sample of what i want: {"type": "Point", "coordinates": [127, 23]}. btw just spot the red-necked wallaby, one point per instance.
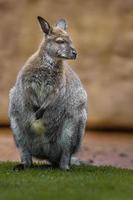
{"type": "Point", "coordinates": [48, 104]}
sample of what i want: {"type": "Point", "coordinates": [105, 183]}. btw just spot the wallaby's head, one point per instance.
{"type": "Point", "coordinates": [58, 43]}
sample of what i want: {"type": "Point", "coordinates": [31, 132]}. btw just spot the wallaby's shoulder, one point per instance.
{"type": "Point", "coordinates": [32, 70]}
{"type": "Point", "coordinates": [31, 65]}
{"type": "Point", "coordinates": [74, 84]}
{"type": "Point", "coordinates": [71, 76]}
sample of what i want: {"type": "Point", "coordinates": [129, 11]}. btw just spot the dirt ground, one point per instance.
{"type": "Point", "coordinates": [98, 148]}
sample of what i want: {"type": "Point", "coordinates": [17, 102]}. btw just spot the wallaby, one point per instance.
{"type": "Point", "coordinates": [48, 104]}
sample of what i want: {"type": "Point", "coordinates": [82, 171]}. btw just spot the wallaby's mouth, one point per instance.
{"type": "Point", "coordinates": [71, 57]}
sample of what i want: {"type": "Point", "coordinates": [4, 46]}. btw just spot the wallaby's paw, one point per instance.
{"type": "Point", "coordinates": [19, 167]}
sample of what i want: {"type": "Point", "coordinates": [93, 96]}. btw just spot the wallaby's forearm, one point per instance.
{"type": "Point", "coordinates": [49, 100]}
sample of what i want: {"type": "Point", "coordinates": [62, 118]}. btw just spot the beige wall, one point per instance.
{"type": "Point", "coordinates": [102, 32]}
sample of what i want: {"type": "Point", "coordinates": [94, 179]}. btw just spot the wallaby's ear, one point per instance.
{"type": "Point", "coordinates": [61, 23]}
{"type": "Point", "coordinates": [46, 28]}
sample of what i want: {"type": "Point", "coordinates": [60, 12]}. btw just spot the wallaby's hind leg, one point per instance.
{"type": "Point", "coordinates": [21, 142]}
{"type": "Point", "coordinates": [77, 137]}
{"type": "Point", "coordinates": [66, 143]}
{"type": "Point", "coordinates": [72, 133]}
{"type": "Point", "coordinates": [79, 131]}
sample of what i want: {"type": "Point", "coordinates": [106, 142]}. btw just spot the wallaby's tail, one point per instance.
{"type": "Point", "coordinates": [78, 162]}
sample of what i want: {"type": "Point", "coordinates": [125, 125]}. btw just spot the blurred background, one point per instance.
{"type": "Point", "coordinates": [102, 32]}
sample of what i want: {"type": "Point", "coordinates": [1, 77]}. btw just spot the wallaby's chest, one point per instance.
{"type": "Point", "coordinates": [43, 80]}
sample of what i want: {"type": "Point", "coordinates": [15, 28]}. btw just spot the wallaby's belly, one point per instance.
{"type": "Point", "coordinates": [43, 149]}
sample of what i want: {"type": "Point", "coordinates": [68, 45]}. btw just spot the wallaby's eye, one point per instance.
{"type": "Point", "coordinates": [60, 41]}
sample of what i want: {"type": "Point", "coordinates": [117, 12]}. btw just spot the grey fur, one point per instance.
{"type": "Point", "coordinates": [48, 104]}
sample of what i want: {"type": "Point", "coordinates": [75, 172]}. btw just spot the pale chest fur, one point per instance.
{"type": "Point", "coordinates": [44, 80]}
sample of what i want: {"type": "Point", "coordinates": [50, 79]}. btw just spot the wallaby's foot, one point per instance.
{"type": "Point", "coordinates": [75, 161]}
{"type": "Point", "coordinates": [78, 162]}
{"type": "Point", "coordinates": [64, 167]}
{"type": "Point", "coordinates": [21, 167]}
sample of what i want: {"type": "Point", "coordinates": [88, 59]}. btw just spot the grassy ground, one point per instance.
{"type": "Point", "coordinates": [80, 183]}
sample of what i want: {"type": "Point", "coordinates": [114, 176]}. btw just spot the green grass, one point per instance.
{"type": "Point", "coordinates": [80, 183]}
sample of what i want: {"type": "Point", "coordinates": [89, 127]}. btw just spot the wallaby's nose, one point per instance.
{"type": "Point", "coordinates": [74, 53]}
